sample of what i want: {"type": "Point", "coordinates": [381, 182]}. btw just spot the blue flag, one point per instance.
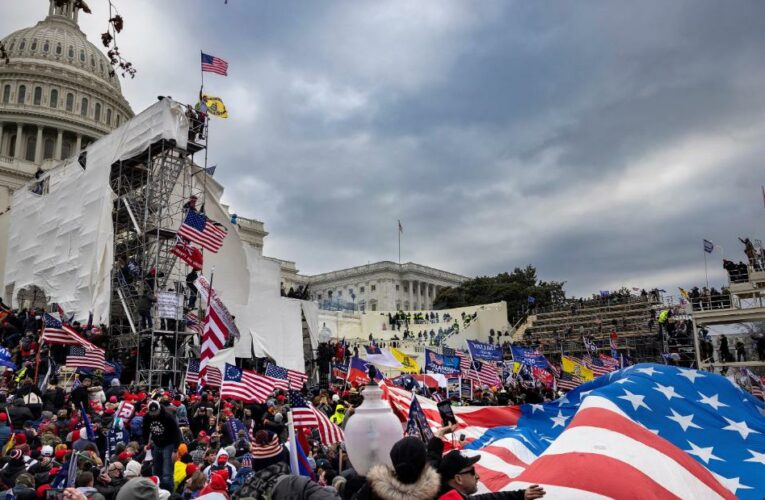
{"type": "Point", "coordinates": [708, 246]}
{"type": "Point", "coordinates": [88, 426]}
{"type": "Point", "coordinates": [484, 352]}
{"type": "Point", "coordinates": [417, 424]}
{"type": "Point", "coordinates": [440, 363]}
{"type": "Point", "coordinates": [530, 357]}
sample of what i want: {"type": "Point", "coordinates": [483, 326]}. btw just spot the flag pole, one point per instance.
{"type": "Point", "coordinates": [293, 445]}
{"type": "Point", "coordinates": [399, 242]}
{"type": "Point", "coordinates": [706, 273]}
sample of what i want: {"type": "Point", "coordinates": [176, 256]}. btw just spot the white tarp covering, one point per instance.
{"type": "Point", "coordinates": [61, 241]}
{"type": "Point", "coordinates": [311, 314]}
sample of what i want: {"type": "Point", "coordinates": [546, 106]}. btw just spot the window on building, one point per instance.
{"type": "Point", "coordinates": [31, 145]}
{"type": "Point", "coordinates": [66, 149]}
{"type": "Point", "coordinates": [34, 45]}
{"type": "Point", "coordinates": [22, 95]}
{"type": "Point", "coordinates": [38, 96]}
{"type": "Point", "coordinates": [361, 289]}
{"type": "Point", "coordinates": [84, 106]}
{"type": "Point", "coordinates": [70, 102]}
{"type": "Point", "coordinates": [97, 113]}
{"type": "Point", "coordinates": [59, 49]}
{"type": "Point", "coordinates": [23, 44]}
{"type": "Point", "coordinates": [372, 305]}
{"type": "Point", "coordinates": [397, 287]}
{"type": "Point", "coordinates": [398, 305]}
{"type": "Point", "coordinates": [12, 146]}
{"type": "Point", "coordinates": [71, 52]}
{"type": "Point", "coordinates": [46, 46]}
{"type": "Point", "coordinates": [7, 94]}
{"type": "Point", "coordinates": [82, 56]}
{"type": "Point", "coordinates": [372, 288]}
{"type": "Point", "coordinates": [350, 291]}
{"type": "Point", "coordinates": [318, 297]}
{"type": "Point", "coordinates": [13, 44]}
{"type": "Point", "coordinates": [118, 120]}
{"type": "Point", "coordinates": [108, 116]}
{"type": "Point", "coordinates": [92, 60]}
{"type": "Point", "coordinates": [54, 98]}
{"type": "Point", "coordinates": [48, 148]}
{"type": "Point", "coordinates": [101, 63]}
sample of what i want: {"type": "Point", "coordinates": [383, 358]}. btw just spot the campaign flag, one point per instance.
{"type": "Point", "coordinates": [610, 361]}
{"type": "Point", "coordinates": [417, 424]}
{"type": "Point", "coordinates": [708, 246]}
{"type": "Point", "coordinates": [212, 64]}
{"type": "Point", "coordinates": [340, 371]}
{"type": "Point", "coordinates": [358, 372]}
{"type": "Point", "coordinates": [408, 363]}
{"type": "Point", "coordinates": [187, 253]}
{"type": "Point", "coordinates": [381, 357]}
{"type": "Point", "coordinates": [441, 363]}
{"type": "Point", "coordinates": [125, 410]}
{"type": "Point", "coordinates": [543, 376]}
{"type": "Point", "coordinates": [86, 423]}
{"type": "Point", "coordinates": [5, 358]}
{"type": "Point", "coordinates": [210, 170]}
{"type": "Point", "coordinates": [484, 352]}
{"type": "Point", "coordinates": [674, 432]}
{"type": "Point", "coordinates": [245, 385]}
{"type": "Point", "coordinates": [79, 357]}
{"type": "Point", "coordinates": [286, 378]}
{"type": "Point", "coordinates": [203, 288]}
{"type": "Point", "coordinates": [531, 299]}
{"type": "Point", "coordinates": [577, 367]}
{"type": "Point", "coordinates": [197, 228]}
{"type": "Point", "coordinates": [529, 356]}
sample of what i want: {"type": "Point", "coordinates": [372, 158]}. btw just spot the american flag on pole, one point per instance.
{"type": "Point", "coordinates": [486, 373]}
{"type": "Point", "coordinates": [54, 332]}
{"type": "Point", "coordinates": [285, 377]}
{"type": "Point", "coordinates": [214, 378]}
{"type": "Point", "coordinates": [79, 357]}
{"type": "Point", "coordinates": [245, 385]}
{"type": "Point", "coordinates": [193, 323]}
{"type": "Point", "coordinates": [213, 339]}
{"type": "Point", "coordinates": [212, 64]}
{"type": "Point", "coordinates": [668, 432]}
{"type": "Point", "coordinates": [304, 414]}
{"type": "Point", "coordinates": [196, 227]}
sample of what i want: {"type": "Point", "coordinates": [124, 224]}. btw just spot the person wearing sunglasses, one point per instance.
{"type": "Point", "coordinates": [459, 480]}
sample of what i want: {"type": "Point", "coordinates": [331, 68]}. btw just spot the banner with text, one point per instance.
{"type": "Point", "coordinates": [530, 357]}
{"type": "Point", "coordinates": [484, 352]}
{"type": "Point", "coordinates": [440, 363]}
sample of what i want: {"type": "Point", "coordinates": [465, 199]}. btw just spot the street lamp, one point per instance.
{"type": "Point", "coordinates": [372, 430]}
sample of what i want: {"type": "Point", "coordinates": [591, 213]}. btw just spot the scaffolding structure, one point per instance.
{"type": "Point", "coordinates": [151, 193]}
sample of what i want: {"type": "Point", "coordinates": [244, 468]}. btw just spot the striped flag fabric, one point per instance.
{"type": "Point", "coordinates": [214, 378]}
{"type": "Point", "coordinates": [668, 432]}
{"type": "Point", "coordinates": [484, 373]}
{"type": "Point", "coordinates": [54, 332]}
{"type": "Point", "coordinates": [567, 382]}
{"type": "Point", "coordinates": [79, 357]}
{"type": "Point", "coordinates": [214, 337]}
{"type": "Point", "coordinates": [597, 366]}
{"type": "Point", "coordinates": [193, 323]}
{"type": "Point", "coordinates": [245, 385]}
{"type": "Point", "coordinates": [212, 64]}
{"type": "Point", "coordinates": [197, 228]}
{"type": "Point", "coordinates": [302, 414]}
{"type": "Point", "coordinates": [329, 432]}
{"type": "Point", "coordinates": [286, 378]}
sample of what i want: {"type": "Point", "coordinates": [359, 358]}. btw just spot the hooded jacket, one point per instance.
{"type": "Point", "coordinates": [210, 469]}
{"type": "Point", "coordinates": [339, 415]}
{"type": "Point", "coordinates": [382, 485]}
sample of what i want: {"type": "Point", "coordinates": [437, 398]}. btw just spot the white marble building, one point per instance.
{"type": "Point", "coordinates": [381, 286]}
{"type": "Point", "coordinates": [56, 96]}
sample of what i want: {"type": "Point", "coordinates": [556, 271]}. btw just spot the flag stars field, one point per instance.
{"type": "Point", "coordinates": [635, 399]}
{"type": "Point", "coordinates": [712, 401]}
{"type": "Point", "coordinates": [703, 453]}
{"type": "Point", "coordinates": [739, 427]}
{"type": "Point", "coordinates": [685, 421]}
{"type": "Point", "coordinates": [668, 391]}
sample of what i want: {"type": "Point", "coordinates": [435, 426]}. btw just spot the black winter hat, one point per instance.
{"type": "Point", "coordinates": [408, 456]}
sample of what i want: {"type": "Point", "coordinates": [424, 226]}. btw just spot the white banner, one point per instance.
{"type": "Point", "coordinates": [170, 305]}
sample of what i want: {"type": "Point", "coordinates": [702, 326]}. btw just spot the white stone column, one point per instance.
{"type": "Point", "coordinates": [19, 131]}
{"type": "Point", "coordinates": [78, 145]}
{"type": "Point", "coordinates": [59, 144]}
{"type": "Point", "coordinates": [39, 145]}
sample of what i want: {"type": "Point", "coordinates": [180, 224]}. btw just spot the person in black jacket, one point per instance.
{"type": "Point", "coordinates": [459, 480]}
{"type": "Point", "coordinates": [53, 397]}
{"type": "Point", "coordinates": [79, 395]}
{"type": "Point", "coordinates": [162, 431]}
{"type": "Point", "coordinates": [19, 413]}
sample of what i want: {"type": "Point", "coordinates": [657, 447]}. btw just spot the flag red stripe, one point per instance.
{"type": "Point", "coordinates": [605, 419]}
{"type": "Point", "coordinates": [504, 454]}
{"type": "Point", "coordinates": [574, 470]}
{"type": "Point", "coordinates": [492, 479]}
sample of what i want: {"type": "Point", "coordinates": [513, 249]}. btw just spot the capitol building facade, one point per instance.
{"type": "Point", "coordinates": [57, 95]}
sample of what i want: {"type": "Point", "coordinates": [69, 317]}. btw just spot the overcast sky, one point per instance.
{"type": "Point", "coordinates": [600, 141]}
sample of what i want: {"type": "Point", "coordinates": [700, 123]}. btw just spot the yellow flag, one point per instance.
{"type": "Point", "coordinates": [516, 367]}
{"type": "Point", "coordinates": [215, 106]}
{"type": "Point", "coordinates": [684, 293]}
{"type": "Point", "coordinates": [577, 369]}
{"type": "Point", "coordinates": [10, 444]}
{"type": "Point", "coordinates": [409, 363]}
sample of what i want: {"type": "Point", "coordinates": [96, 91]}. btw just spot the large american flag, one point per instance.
{"type": "Point", "coordinates": [245, 385]}
{"type": "Point", "coordinates": [212, 64]}
{"type": "Point", "coordinates": [54, 332]}
{"type": "Point", "coordinates": [214, 338]}
{"type": "Point", "coordinates": [79, 357]}
{"type": "Point", "coordinates": [286, 378]}
{"type": "Point", "coordinates": [665, 431]}
{"type": "Point", "coordinates": [304, 414]}
{"type": "Point", "coordinates": [196, 227]}
{"type": "Point", "coordinates": [214, 378]}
